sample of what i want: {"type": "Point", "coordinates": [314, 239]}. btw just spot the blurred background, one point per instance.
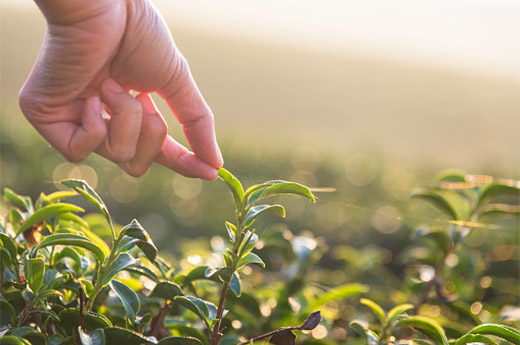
{"type": "Point", "coordinates": [366, 100]}
{"type": "Point", "coordinates": [370, 98]}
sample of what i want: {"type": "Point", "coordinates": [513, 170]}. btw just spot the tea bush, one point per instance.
{"type": "Point", "coordinates": [68, 279]}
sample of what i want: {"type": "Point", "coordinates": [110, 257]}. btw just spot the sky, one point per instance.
{"type": "Point", "coordinates": [471, 35]}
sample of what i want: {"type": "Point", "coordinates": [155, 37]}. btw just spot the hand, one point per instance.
{"type": "Point", "coordinates": [77, 95]}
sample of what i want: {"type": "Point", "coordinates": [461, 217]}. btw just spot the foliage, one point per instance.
{"type": "Point", "coordinates": [69, 279]}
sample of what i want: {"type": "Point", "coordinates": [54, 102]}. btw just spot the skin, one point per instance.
{"type": "Point", "coordinates": [77, 94]}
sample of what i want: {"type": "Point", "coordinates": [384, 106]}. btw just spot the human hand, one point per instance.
{"type": "Point", "coordinates": [77, 95]}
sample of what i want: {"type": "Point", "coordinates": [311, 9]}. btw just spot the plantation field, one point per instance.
{"type": "Point", "coordinates": [369, 136]}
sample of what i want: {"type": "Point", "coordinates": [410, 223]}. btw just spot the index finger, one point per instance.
{"type": "Point", "coordinates": [191, 110]}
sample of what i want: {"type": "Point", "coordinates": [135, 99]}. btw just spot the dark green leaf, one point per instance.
{"type": "Point", "coordinates": [255, 211]}
{"type": "Point", "coordinates": [442, 239]}
{"type": "Point", "coordinates": [427, 326]}
{"type": "Point", "coordinates": [369, 337]}
{"type": "Point", "coordinates": [34, 270]}
{"type": "Point", "coordinates": [128, 297]}
{"type": "Point", "coordinates": [502, 331]}
{"type": "Point", "coordinates": [117, 335]}
{"type": "Point", "coordinates": [96, 337]}
{"type": "Point", "coordinates": [123, 261]}
{"type": "Point", "coordinates": [91, 196]}
{"type": "Point", "coordinates": [30, 334]}
{"type": "Point", "coordinates": [70, 320]}
{"type": "Point", "coordinates": [166, 290]}
{"type": "Point", "coordinates": [55, 339]}
{"type": "Point", "coordinates": [234, 185]}
{"type": "Point", "coordinates": [250, 258]}
{"type": "Point", "coordinates": [380, 313]}
{"type": "Point", "coordinates": [135, 230]}
{"type": "Point", "coordinates": [142, 270]}
{"type": "Point", "coordinates": [72, 254]}
{"type": "Point", "coordinates": [47, 212]}
{"type": "Point", "coordinates": [502, 188]}
{"type": "Point", "coordinates": [6, 309]}
{"type": "Point", "coordinates": [8, 243]}
{"type": "Point", "coordinates": [450, 202]}
{"type": "Point", "coordinates": [235, 285]}
{"type": "Point", "coordinates": [205, 310]}
{"type": "Point", "coordinates": [71, 240]}
{"type": "Point", "coordinates": [5, 258]}
{"type": "Point", "coordinates": [180, 341]}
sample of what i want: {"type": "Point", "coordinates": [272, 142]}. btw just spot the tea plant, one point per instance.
{"type": "Point", "coordinates": [57, 273]}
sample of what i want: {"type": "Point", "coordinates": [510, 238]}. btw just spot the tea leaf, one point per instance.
{"type": "Point", "coordinates": [234, 185]}
{"type": "Point", "coordinates": [96, 337]}
{"type": "Point", "coordinates": [311, 322]}
{"type": "Point", "coordinates": [428, 327]}
{"type": "Point", "coordinates": [123, 261]}
{"type": "Point", "coordinates": [117, 335]}
{"type": "Point", "coordinates": [283, 338]}
{"type": "Point", "coordinates": [475, 338]}
{"type": "Point", "coordinates": [278, 187]}
{"type": "Point", "coordinates": [397, 311]}
{"type": "Point", "coordinates": [179, 341]}
{"type": "Point", "coordinates": [34, 270]}
{"type": "Point", "coordinates": [12, 340]}
{"type": "Point", "coordinates": [502, 331]}
{"type": "Point", "coordinates": [235, 285]}
{"type": "Point", "coordinates": [16, 198]}
{"type": "Point", "coordinates": [380, 313]}
{"type": "Point", "coordinates": [128, 297]}
{"type": "Point", "coordinates": [71, 240]}
{"type": "Point", "coordinates": [47, 212]}
{"type": "Point", "coordinates": [250, 258]}
{"type": "Point", "coordinates": [339, 293]}
{"type": "Point", "coordinates": [206, 311]}
{"type": "Point", "coordinates": [166, 290]}
{"type": "Point", "coordinates": [450, 202]}
{"type": "Point", "coordinates": [255, 211]}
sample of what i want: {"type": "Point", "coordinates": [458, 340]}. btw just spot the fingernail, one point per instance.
{"type": "Point", "coordinates": [147, 104]}
{"type": "Point", "coordinates": [113, 86]}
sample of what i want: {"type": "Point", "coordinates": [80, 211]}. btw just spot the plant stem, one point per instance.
{"type": "Point", "coordinates": [270, 334]}
{"type": "Point", "coordinates": [220, 311]}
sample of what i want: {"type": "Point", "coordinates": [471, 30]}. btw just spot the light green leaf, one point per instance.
{"type": "Point", "coordinates": [180, 341]}
{"type": "Point", "coordinates": [250, 258]}
{"type": "Point", "coordinates": [502, 331]}
{"type": "Point", "coordinates": [46, 294]}
{"type": "Point", "coordinates": [380, 313]}
{"type": "Point", "coordinates": [71, 217]}
{"type": "Point", "coordinates": [474, 338]}
{"type": "Point", "coordinates": [278, 187]}
{"type": "Point", "coordinates": [60, 195]}
{"type": "Point", "coordinates": [232, 231]}
{"type": "Point", "coordinates": [503, 188]}
{"type": "Point", "coordinates": [450, 202]}
{"type": "Point", "coordinates": [71, 240]}
{"type": "Point", "coordinates": [91, 196]}
{"type": "Point", "coordinates": [234, 185]}
{"type": "Point", "coordinates": [96, 337]}
{"type": "Point", "coordinates": [123, 260]}
{"type": "Point", "coordinates": [16, 198]}
{"type": "Point", "coordinates": [500, 209]}
{"type": "Point", "coordinates": [427, 326]}
{"type": "Point", "coordinates": [255, 211]}
{"type": "Point", "coordinates": [166, 290]}
{"type": "Point", "coordinates": [248, 244]}
{"type": "Point", "coordinates": [339, 293]}
{"type": "Point", "coordinates": [34, 271]}
{"type": "Point", "coordinates": [128, 297]}
{"type": "Point", "coordinates": [47, 212]}
{"type": "Point", "coordinates": [12, 340]}
{"type": "Point", "coordinates": [397, 311]}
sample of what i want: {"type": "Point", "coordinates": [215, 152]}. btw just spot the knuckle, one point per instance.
{"type": "Point", "coordinates": [74, 157]}
{"type": "Point", "coordinates": [122, 155]}
{"type": "Point", "coordinates": [136, 171]}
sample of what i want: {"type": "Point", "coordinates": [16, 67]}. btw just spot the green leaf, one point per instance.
{"type": "Point", "coordinates": [397, 311]}
{"type": "Point", "coordinates": [47, 212]}
{"type": "Point", "coordinates": [88, 287]}
{"type": "Point", "coordinates": [60, 195]}
{"type": "Point", "coordinates": [72, 254]}
{"type": "Point", "coordinates": [255, 211]}
{"type": "Point", "coordinates": [205, 310]}
{"type": "Point", "coordinates": [71, 217]}
{"type": "Point", "coordinates": [117, 335]}
{"type": "Point", "coordinates": [369, 337]}
{"type": "Point", "coordinates": [142, 270]}
{"type": "Point", "coordinates": [55, 339]}
{"type": "Point", "coordinates": [503, 188]}
{"type": "Point", "coordinates": [500, 209]}
{"type": "Point", "coordinates": [380, 313]}
{"type": "Point", "coordinates": [234, 185]}
{"type": "Point", "coordinates": [71, 240]}
{"type": "Point", "coordinates": [8, 243]}
{"type": "Point", "coordinates": [248, 244]}
{"type": "Point", "coordinates": [70, 319]}
{"type": "Point", "coordinates": [91, 196]}
{"type": "Point", "coordinates": [451, 176]}
{"type": "Point", "coordinates": [312, 321]}
{"type": "Point", "coordinates": [450, 202]}
{"type": "Point", "coordinates": [5, 306]}
{"type": "Point", "coordinates": [232, 231]}
{"type": "Point", "coordinates": [474, 338]}
{"type": "Point", "coordinates": [96, 337]}
{"type": "Point", "coordinates": [278, 187]}
{"type": "Point", "coordinates": [502, 331]}
{"type": "Point", "coordinates": [442, 239]}
{"type": "Point", "coordinates": [250, 258]}
{"type": "Point", "coordinates": [235, 285]}
{"type": "Point", "coordinates": [16, 198]}
{"type": "Point", "coordinates": [179, 341]}
{"type": "Point", "coordinates": [427, 326]}
{"type": "Point", "coordinates": [34, 270]}
{"type": "Point", "coordinates": [128, 297]}
{"type": "Point", "coordinates": [11, 340]}
{"type": "Point", "coordinates": [339, 293]}
{"type": "Point", "coordinates": [123, 260]}
{"type": "Point", "coordinates": [30, 334]}
{"type": "Point", "coordinates": [166, 290]}
{"type": "Point", "coordinates": [46, 294]}
{"type": "Point", "coordinates": [5, 258]}
{"type": "Point", "coordinates": [145, 243]}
